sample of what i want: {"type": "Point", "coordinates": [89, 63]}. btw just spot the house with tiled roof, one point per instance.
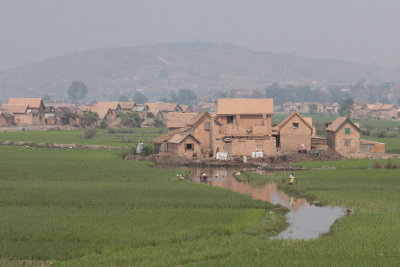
{"type": "Point", "coordinates": [6, 119]}
{"type": "Point", "coordinates": [186, 109]}
{"type": "Point", "coordinates": [158, 108]}
{"type": "Point", "coordinates": [343, 136]}
{"type": "Point", "coordinates": [294, 134]}
{"type": "Point", "coordinates": [127, 106]}
{"type": "Point", "coordinates": [246, 126]}
{"type": "Point", "coordinates": [26, 111]}
{"type": "Point", "coordinates": [199, 125]}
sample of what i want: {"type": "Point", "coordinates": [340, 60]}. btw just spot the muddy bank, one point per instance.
{"type": "Point", "coordinates": [281, 162]}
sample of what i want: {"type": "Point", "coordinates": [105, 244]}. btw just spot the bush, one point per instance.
{"type": "Point", "coordinates": [365, 132]}
{"type": "Point", "coordinates": [158, 123]}
{"type": "Point", "coordinates": [147, 150]}
{"type": "Point", "coordinates": [123, 154]}
{"type": "Point", "coordinates": [89, 133]}
{"type": "Point", "coordinates": [391, 164]}
{"type": "Point", "coordinates": [103, 124]}
{"type": "Point", "coordinates": [377, 165]}
{"type": "Point", "coordinates": [111, 131]}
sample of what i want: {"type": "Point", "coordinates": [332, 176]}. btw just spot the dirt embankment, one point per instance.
{"type": "Point", "coordinates": [272, 162]}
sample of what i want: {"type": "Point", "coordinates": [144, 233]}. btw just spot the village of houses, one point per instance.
{"type": "Point", "coordinates": [231, 128]}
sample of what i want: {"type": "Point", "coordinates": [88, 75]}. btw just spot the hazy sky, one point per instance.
{"type": "Point", "coordinates": [365, 31]}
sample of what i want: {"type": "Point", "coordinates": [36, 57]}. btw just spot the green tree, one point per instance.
{"type": "Point", "coordinates": [77, 91]}
{"type": "Point", "coordinates": [345, 107]}
{"type": "Point", "coordinates": [46, 99]}
{"type": "Point", "coordinates": [123, 98]}
{"type": "Point", "coordinates": [140, 98]}
{"type": "Point", "coordinates": [313, 108]}
{"type": "Point", "coordinates": [89, 118]}
{"type": "Point", "coordinates": [158, 123]}
{"type": "Point", "coordinates": [131, 119]}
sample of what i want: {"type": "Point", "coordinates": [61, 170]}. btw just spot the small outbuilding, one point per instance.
{"type": "Point", "coordinates": [295, 133]}
{"type": "Point", "coordinates": [343, 136]}
{"type": "Point", "coordinates": [184, 145]}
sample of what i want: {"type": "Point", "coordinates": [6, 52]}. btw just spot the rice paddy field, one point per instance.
{"type": "Point", "coordinates": [91, 208]}
{"type": "Point", "coordinates": [124, 137]}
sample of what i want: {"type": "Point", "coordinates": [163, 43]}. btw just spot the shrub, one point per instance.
{"type": "Point", "coordinates": [147, 150]}
{"type": "Point", "coordinates": [365, 132]}
{"type": "Point", "coordinates": [103, 124]}
{"type": "Point", "coordinates": [377, 164]}
{"type": "Point", "coordinates": [111, 131]}
{"type": "Point", "coordinates": [158, 123]}
{"type": "Point", "coordinates": [123, 154]}
{"type": "Point", "coordinates": [89, 133]}
{"type": "Point", "coordinates": [391, 164]}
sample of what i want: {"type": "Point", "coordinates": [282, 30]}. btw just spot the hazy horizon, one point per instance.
{"type": "Point", "coordinates": [358, 31]}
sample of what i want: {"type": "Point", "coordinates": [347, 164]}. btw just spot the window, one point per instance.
{"type": "Point", "coordinates": [207, 125]}
{"type": "Point", "coordinates": [295, 125]}
{"type": "Point", "coordinates": [347, 130]}
{"type": "Point", "coordinates": [229, 119]}
{"type": "Point", "coordinates": [189, 146]}
{"type": "Point", "coordinates": [347, 142]}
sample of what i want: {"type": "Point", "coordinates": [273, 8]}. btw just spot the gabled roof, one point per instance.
{"type": "Point", "coordinates": [185, 108]}
{"type": "Point", "coordinates": [307, 121]}
{"type": "Point", "coordinates": [6, 114]}
{"type": "Point", "coordinates": [127, 105]}
{"type": "Point", "coordinates": [165, 137]}
{"type": "Point", "coordinates": [337, 124]}
{"type": "Point", "coordinates": [179, 120]}
{"type": "Point", "coordinates": [101, 111]}
{"type": "Point", "coordinates": [31, 102]}
{"type": "Point", "coordinates": [389, 106]}
{"type": "Point", "coordinates": [179, 138]}
{"type": "Point", "coordinates": [243, 106]}
{"type": "Point", "coordinates": [111, 105]}
{"type": "Point", "coordinates": [14, 108]}
{"type": "Point", "coordinates": [157, 107]}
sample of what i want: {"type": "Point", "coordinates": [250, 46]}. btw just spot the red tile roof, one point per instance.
{"type": "Point", "coordinates": [242, 106]}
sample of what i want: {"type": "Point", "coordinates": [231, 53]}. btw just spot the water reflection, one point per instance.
{"type": "Point", "coordinates": [307, 221]}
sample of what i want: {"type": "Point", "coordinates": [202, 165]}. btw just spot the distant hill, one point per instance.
{"type": "Point", "coordinates": [157, 69]}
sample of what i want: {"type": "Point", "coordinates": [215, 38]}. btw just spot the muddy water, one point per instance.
{"type": "Point", "coordinates": [306, 221]}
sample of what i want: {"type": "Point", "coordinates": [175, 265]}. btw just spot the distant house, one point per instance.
{"type": "Point", "coordinates": [160, 108]}
{"type": "Point", "coordinates": [50, 115]}
{"type": "Point", "coordinates": [114, 107]}
{"type": "Point", "coordinates": [377, 111]}
{"type": "Point", "coordinates": [26, 111]}
{"type": "Point", "coordinates": [308, 107]}
{"type": "Point", "coordinates": [343, 136]}
{"type": "Point", "coordinates": [176, 120]}
{"type": "Point", "coordinates": [332, 108]}
{"type": "Point", "coordinates": [295, 133]}
{"type": "Point", "coordinates": [6, 119]}
{"type": "Point", "coordinates": [127, 106]}
{"type": "Point", "coordinates": [186, 109]}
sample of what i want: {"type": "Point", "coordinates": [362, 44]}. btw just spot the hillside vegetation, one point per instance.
{"type": "Point", "coordinates": [155, 70]}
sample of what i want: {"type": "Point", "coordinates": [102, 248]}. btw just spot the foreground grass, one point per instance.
{"type": "Point", "coordinates": [60, 205]}
{"type": "Point", "coordinates": [121, 137]}
{"type": "Point", "coordinates": [89, 208]}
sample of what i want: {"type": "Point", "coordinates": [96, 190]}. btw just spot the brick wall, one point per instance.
{"type": "Point", "coordinates": [291, 139]}
{"type": "Point", "coordinates": [352, 146]}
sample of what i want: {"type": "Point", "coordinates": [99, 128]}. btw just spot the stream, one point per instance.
{"type": "Point", "coordinates": [306, 220]}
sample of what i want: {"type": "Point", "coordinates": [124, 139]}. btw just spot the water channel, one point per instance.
{"type": "Point", "coordinates": [306, 220]}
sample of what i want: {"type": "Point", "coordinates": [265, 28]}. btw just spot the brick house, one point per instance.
{"type": "Point", "coordinates": [343, 136]}
{"type": "Point", "coordinates": [295, 133]}
{"type": "Point", "coordinates": [186, 109]}
{"type": "Point", "coordinates": [26, 111]}
{"type": "Point", "coordinates": [114, 107]}
{"type": "Point", "coordinates": [185, 145]}
{"type": "Point", "coordinates": [6, 119]}
{"type": "Point", "coordinates": [389, 112]}
{"type": "Point", "coordinates": [199, 125]}
{"type": "Point", "coordinates": [246, 126]}
{"type": "Point", "coordinates": [161, 107]}
{"type": "Point", "coordinates": [127, 106]}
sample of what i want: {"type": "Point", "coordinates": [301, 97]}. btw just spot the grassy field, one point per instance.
{"type": "Point", "coordinates": [62, 205]}
{"type": "Point", "coordinates": [90, 208]}
{"type": "Point", "coordinates": [118, 137]}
